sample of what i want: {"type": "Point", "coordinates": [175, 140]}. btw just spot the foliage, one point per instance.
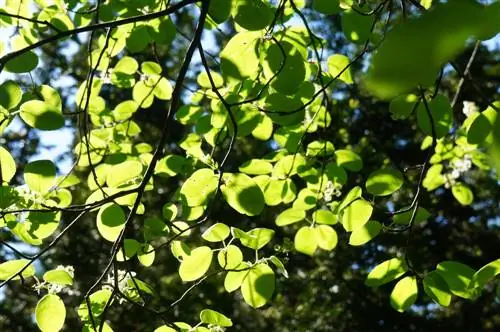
{"type": "Point", "coordinates": [213, 163]}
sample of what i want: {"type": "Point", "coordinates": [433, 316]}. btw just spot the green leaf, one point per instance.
{"type": "Point", "coordinates": [462, 193]}
{"type": "Point", "coordinates": [58, 276]}
{"type": "Point", "coordinates": [404, 294]}
{"type": "Point", "coordinates": [479, 129]}
{"type": "Point", "coordinates": [216, 233]}
{"type": "Point", "coordinates": [365, 233]}
{"type": "Point", "coordinates": [338, 66]}
{"type": "Point", "coordinates": [41, 115]}
{"type": "Point", "coordinates": [220, 10]}
{"type": "Point", "coordinates": [458, 277]}
{"type": "Point", "coordinates": [357, 27]}
{"type": "Point", "coordinates": [485, 274]}
{"type": "Point", "coordinates": [234, 279]}
{"type": "Point", "coordinates": [9, 268]}
{"type": "Point", "coordinates": [305, 240]}
{"type": "Point", "coordinates": [50, 313]}
{"type": "Point", "coordinates": [40, 175]}
{"type": "Point", "coordinates": [239, 57]}
{"type": "Point", "coordinates": [349, 160]}
{"type": "Point", "coordinates": [442, 116]}
{"type": "Point", "coordinates": [110, 221]}
{"type": "Point", "coordinates": [230, 257]}
{"type": "Point", "coordinates": [23, 63]}
{"type": "Point", "coordinates": [306, 200]}
{"type": "Point", "coordinates": [196, 264]}
{"type": "Point", "coordinates": [326, 6]}
{"type": "Point", "coordinates": [138, 39]}
{"type": "Point", "coordinates": [258, 286]}
{"type": "Point", "coordinates": [7, 165]}
{"type": "Point", "coordinates": [199, 187]}
{"type": "Point", "coordinates": [413, 52]}
{"type": "Point", "coordinates": [404, 218]}
{"type": "Point", "coordinates": [402, 106]}
{"type": "Point", "coordinates": [128, 250]}
{"type": "Point", "coordinates": [97, 301]}
{"type": "Point", "coordinates": [124, 173]}
{"type": "Point", "coordinates": [326, 237]}
{"type": "Point", "coordinates": [352, 195]}
{"type": "Point", "coordinates": [204, 81]}
{"type": "Point", "coordinates": [243, 194]}
{"type": "Point", "coordinates": [385, 272]}
{"type": "Point", "coordinates": [256, 167]}
{"type": "Point", "coordinates": [146, 254]}
{"type": "Point", "coordinates": [257, 238]}
{"type": "Point", "coordinates": [290, 216]}
{"type": "Point", "coordinates": [356, 215]}
{"type": "Point", "coordinates": [324, 217]}
{"type": "Point", "coordinates": [10, 95]}
{"type": "Point", "coordinates": [384, 182]}
{"type": "Point", "coordinates": [286, 62]}
{"type": "Point", "coordinates": [212, 317]}
{"type": "Point", "coordinates": [252, 14]}
{"type": "Point", "coordinates": [437, 289]}
{"type": "Point", "coordinates": [279, 264]}
{"type": "Point", "coordinates": [126, 65]}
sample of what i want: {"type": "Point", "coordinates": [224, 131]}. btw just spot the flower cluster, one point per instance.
{"type": "Point", "coordinates": [469, 108]}
{"type": "Point", "coordinates": [332, 189]}
{"type": "Point", "coordinates": [458, 167]}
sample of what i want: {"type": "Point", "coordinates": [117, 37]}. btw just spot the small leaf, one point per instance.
{"type": "Point", "coordinates": [365, 233]}
{"type": "Point", "coordinates": [123, 173]}
{"type": "Point", "coordinates": [384, 182]}
{"type": "Point", "coordinates": [50, 313]}
{"type": "Point", "coordinates": [9, 268]}
{"type": "Point", "coordinates": [258, 286]}
{"type": "Point", "coordinates": [216, 233]}
{"type": "Point", "coordinates": [326, 237]}
{"type": "Point", "coordinates": [10, 95]}
{"type": "Point", "coordinates": [40, 175]}
{"type": "Point", "coordinates": [305, 240]}
{"type": "Point", "coordinates": [437, 288]}
{"type": "Point", "coordinates": [290, 216]}
{"type": "Point", "coordinates": [7, 165]}
{"type": "Point", "coordinates": [234, 279]}
{"type": "Point", "coordinates": [404, 294]}
{"type": "Point", "coordinates": [256, 167]}
{"type": "Point", "coordinates": [243, 194]}
{"type": "Point", "coordinates": [349, 160]}
{"type": "Point", "coordinates": [462, 193]}
{"type": "Point", "coordinates": [324, 217]}
{"type": "Point", "coordinates": [279, 264]}
{"type": "Point", "coordinates": [23, 63]}
{"type": "Point", "coordinates": [212, 317]}
{"type": "Point", "coordinates": [356, 215]}
{"type": "Point", "coordinates": [442, 116]}
{"type": "Point", "coordinates": [146, 254]}
{"type": "Point", "coordinates": [110, 221]}
{"type": "Point", "coordinates": [338, 66]}
{"type": "Point", "coordinates": [458, 277]}
{"type": "Point", "coordinates": [41, 115]}
{"type": "Point", "coordinates": [257, 238]}
{"type": "Point", "coordinates": [58, 276]}
{"type": "Point", "coordinates": [199, 187]}
{"type": "Point", "coordinates": [385, 272]}
{"type": "Point", "coordinates": [485, 274]}
{"type": "Point", "coordinates": [230, 257]}
{"type": "Point", "coordinates": [196, 264]}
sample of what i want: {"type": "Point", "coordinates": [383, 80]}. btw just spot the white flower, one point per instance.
{"type": "Point", "coordinates": [106, 77]}
{"type": "Point", "coordinates": [469, 108]}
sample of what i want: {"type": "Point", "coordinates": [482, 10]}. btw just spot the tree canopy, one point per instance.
{"type": "Point", "coordinates": [249, 165]}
